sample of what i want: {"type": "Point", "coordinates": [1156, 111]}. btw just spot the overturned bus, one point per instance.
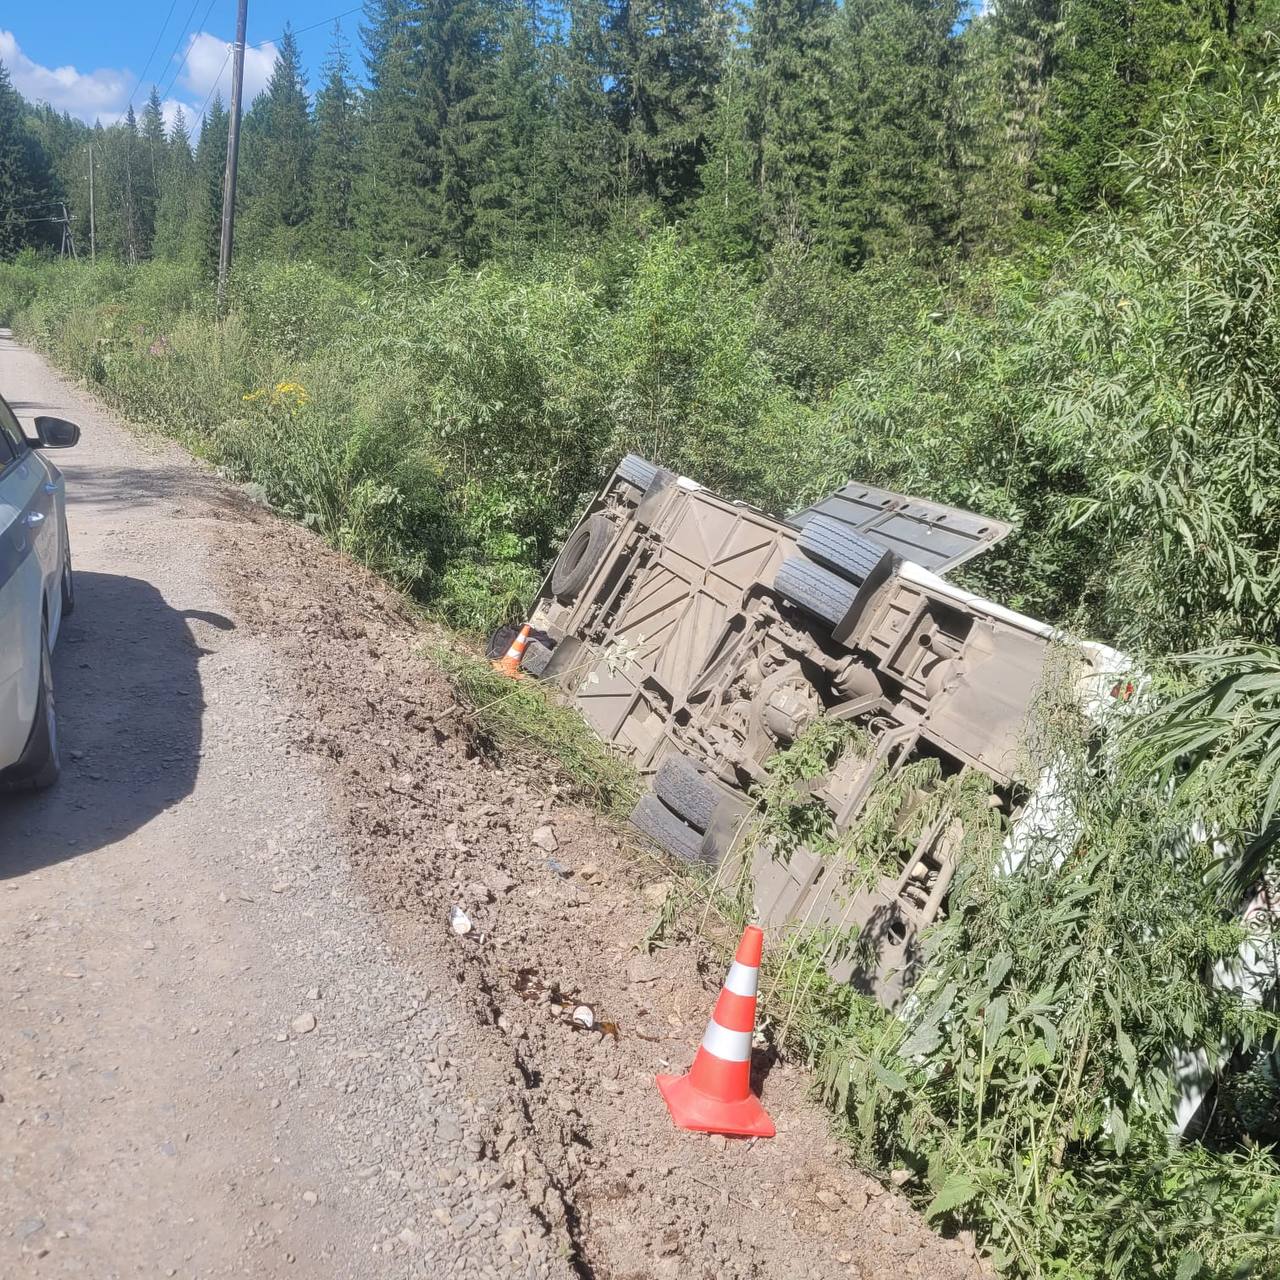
{"type": "Point", "coordinates": [699, 636]}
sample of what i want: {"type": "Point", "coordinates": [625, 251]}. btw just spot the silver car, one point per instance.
{"type": "Point", "coordinates": [36, 592]}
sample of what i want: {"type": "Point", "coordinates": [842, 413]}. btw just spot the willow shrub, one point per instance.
{"type": "Point", "coordinates": [1164, 397]}
{"type": "Point", "coordinates": [1028, 1086]}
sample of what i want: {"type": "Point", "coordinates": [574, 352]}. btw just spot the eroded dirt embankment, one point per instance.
{"type": "Point", "coordinates": [578, 1125]}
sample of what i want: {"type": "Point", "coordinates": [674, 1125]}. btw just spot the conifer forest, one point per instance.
{"type": "Point", "coordinates": [1020, 256]}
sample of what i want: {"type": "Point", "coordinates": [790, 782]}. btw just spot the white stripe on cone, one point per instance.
{"type": "Point", "coordinates": [729, 1046]}
{"type": "Point", "coordinates": [742, 979]}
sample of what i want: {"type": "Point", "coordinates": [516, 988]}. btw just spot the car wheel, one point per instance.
{"type": "Point", "coordinates": [684, 790]}
{"type": "Point", "coordinates": [68, 586]}
{"type": "Point", "coordinates": [581, 554]}
{"type": "Point", "coordinates": [835, 545]}
{"type": "Point", "coordinates": [815, 590]}
{"type": "Point", "coordinates": [41, 763]}
{"type": "Point", "coordinates": [666, 829]}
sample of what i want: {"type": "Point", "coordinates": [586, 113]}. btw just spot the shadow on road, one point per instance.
{"type": "Point", "coordinates": [130, 711]}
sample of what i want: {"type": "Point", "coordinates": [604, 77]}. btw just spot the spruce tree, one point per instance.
{"type": "Point", "coordinates": [395, 194]}
{"type": "Point", "coordinates": [727, 215]}
{"type": "Point", "coordinates": [583, 146]}
{"type": "Point", "coordinates": [205, 223]}
{"type": "Point", "coordinates": [277, 159]}
{"type": "Point", "coordinates": [151, 161]}
{"type": "Point", "coordinates": [20, 184]}
{"type": "Point", "coordinates": [891, 175]}
{"type": "Point", "coordinates": [514, 195]}
{"type": "Point", "coordinates": [667, 56]}
{"type": "Point", "coordinates": [335, 163]}
{"type": "Point", "coordinates": [794, 84]}
{"type": "Point", "coordinates": [1004, 64]}
{"type": "Point", "coordinates": [123, 171]}
{"type": "Point", "coordinates": [176, 205]}
{"type": "Point", "coordinates": [1114, 59]}
{"type": "Point", "coordinates": [59, 162]}
{"type": "Point", "coordinates": [459, 123]}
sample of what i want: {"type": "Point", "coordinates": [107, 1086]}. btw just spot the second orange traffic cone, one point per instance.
{"type": "Point", "coordinates": [509, 664]}
{"type": "Point", "coordinates": [716, 1097]}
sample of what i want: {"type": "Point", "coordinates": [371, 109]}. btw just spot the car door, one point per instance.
{"type": "Point", "coordinates": [41, 488]}
{"type": "Point", "coordinates": [16, 574]}
{"type": "Point", "coordinates": [30, 547]}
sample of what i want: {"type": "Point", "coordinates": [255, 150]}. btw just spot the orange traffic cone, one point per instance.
{"type": "Point", "coordinates": [509, 664]}
{"type": "Point", "coordinates": [716, 1097]}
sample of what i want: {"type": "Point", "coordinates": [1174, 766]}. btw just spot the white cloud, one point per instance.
{"type": "Point", "coordinates": [207, 63]}
{"type": "Point", "coordinates": [169, 108]}
{"type": "Point", "coordinates": [88, 95]}
{"type": "Point", "coordinates": [103, 94]}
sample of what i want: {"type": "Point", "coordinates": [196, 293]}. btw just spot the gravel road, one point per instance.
{"type": "Point", "coordinates": [239, 1036]}
{"type": "Point", "coordinates": [211, 1062]}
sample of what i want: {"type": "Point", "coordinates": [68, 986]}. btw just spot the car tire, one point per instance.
{"type": "Point", "coordinates": [581, 554]}
{"type": "Point", "coordinates": [682, 788]}
{"type": "Point", "coordinates": [815, 590]}
{"type": "Point", "coordinates": [637, 471]}
{"type": "Point", "coordinates": [68, 586]}
{"type": "Point", "coordinates": [41, 763]}
{"type": "Point", "coordinates": [841, 548]}
{"type": "Point", "coordinates": [666, 829]}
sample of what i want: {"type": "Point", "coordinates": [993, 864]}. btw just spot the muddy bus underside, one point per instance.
{"type": "Point", "coordinates": [699, 636]}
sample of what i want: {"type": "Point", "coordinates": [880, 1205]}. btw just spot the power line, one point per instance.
{"type": "Point", "coordinates": [190, 45]}
{"type": "Point", "coordinates": [192, 31]}
{"type": "Point", "coordinates": [146, 66]}
{"type": "Point", "coordinates": [324, 22]}
{"type": "Point", "coordinates": [177, 44]}
{"type": "Point", "coordinates": [208, 97]}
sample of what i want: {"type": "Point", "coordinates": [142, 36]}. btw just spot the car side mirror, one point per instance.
{"type": "Point", "coordinates": [55, 433]}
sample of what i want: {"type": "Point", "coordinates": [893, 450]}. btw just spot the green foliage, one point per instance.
{"type": "Point", "coordinates": [19, 285]}
{"type": "Point", "coordinates": [667, 60]}
{"type": "Point", "coordinates": [1215, 736]}
{"type": "Point", "coordinates": [1115, 60]}
{"type": "Point", "coordinates": [1033, 1064]}
{"type": "Point", "coordinates": [864, 129]}
{"type": "Point", "coordinates": [728, 213]}
{"type": "Point", "coordinates": [1164, 398]}
{"type": "Point", "coordinates": [23, 176]}
{"type": "Point", "coordinates": [275, 174]}
{"type": "Point", "coordinates": [794, 83]}
{"type": "Point", "coordinates": [175, 204]}
{"type": "Point", "coordinates": [891, 180]}
{"type": "Point", "coordinates": [335, 164]}
{"type": "Point", "coordinates": [520, 721]}
{"type": "Point", "coordinates": [1111, 395]}
{"type": "Point", "coordinates": [1026, 1085]}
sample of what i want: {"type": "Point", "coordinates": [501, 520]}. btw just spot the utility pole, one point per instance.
{"type": "Point", "coordinates": [67, 238]}
{"type": "Point", "coordinates": [93, 231]}
{"type": "Point", "coordinates": [233, 154]}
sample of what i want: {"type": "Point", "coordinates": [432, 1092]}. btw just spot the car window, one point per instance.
{"type": "Point", "coordinates": [12, 441]}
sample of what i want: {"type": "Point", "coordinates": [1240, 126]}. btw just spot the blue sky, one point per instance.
{"type": "Point", "coordinates": [86, 58]}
